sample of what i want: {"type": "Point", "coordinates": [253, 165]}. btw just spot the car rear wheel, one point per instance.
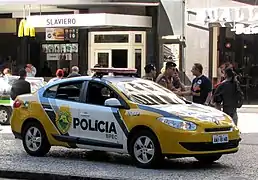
{"type": "Point", "coordinates": [209, 159]}
{"type": "Point", "coordinates": [5, 113]}
{"type": "Point", "coordinates": [35, 141]}
{"type": "Point", "coordinates": [145, 149]}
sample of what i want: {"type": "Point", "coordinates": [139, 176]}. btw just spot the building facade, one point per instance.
{"type": "Point", "coordinates": [84, 33]}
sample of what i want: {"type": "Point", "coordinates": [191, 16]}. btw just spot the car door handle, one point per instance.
{"type": "Point", "coordinates": [47, 109]}
{"type": "Point", "coordinates": [84, 114]}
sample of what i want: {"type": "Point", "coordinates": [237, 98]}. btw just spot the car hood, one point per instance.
{"type": "Point", "coordinates": [195, 112]}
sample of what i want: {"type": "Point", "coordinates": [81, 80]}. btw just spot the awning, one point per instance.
{"type": "Point", "coordinates": [89, 20]}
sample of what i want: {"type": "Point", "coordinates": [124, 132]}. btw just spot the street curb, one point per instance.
{"type": "Point", "coordinates": [46, 176]}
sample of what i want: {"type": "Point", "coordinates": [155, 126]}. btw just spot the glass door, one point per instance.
{"type": "Point", "coordinates": [103, 58]}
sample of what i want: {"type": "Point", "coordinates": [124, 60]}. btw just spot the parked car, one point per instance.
{"type": "Point", "coordinates": [121, 114]}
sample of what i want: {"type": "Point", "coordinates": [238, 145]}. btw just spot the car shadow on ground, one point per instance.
{"type": "Point", "coordinates": [121, 159]}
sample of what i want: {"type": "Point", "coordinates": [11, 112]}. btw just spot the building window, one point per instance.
{"type": "Point", "coordinates": [103, 59]}
{"type": "Point", "coordinates": [111, 38]}
{"type": "Point", "coordinates": [138, 61]}
{"type": "Point", "coordinates": [138, 38]}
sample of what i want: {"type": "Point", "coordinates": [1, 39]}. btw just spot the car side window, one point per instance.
{"type": "Point", "coordinates": [69, 91]}
{"type": "Point", "coordinates": [98, 93]}
{"type": "Point", "coordinates": [51, 92]}
{"type": "Point", "coordinates": [65, 91]}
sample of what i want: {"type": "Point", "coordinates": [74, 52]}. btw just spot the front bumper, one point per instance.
{"type": "Point", "coordinates": [209, 146]}
{"type": "Point", "coordinates": [190, 143]}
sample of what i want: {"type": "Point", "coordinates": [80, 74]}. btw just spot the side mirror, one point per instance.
{"type": "Point", "coordinates": [113, 102]}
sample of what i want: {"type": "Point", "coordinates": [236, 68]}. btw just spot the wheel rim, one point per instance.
{"type": "Point", "coordinates": [3, 116]}
{"type": "Point", "coordinates": [33, 139]}
{"type": "Point", "coordinates": [144, 149]}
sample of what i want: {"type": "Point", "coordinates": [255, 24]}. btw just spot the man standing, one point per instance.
{"type": "Point", "coordinates": [74, 73]}
{"type": "Point", "coordinates": [165, 79]}
{"type": "Point", "coordinates": [21, 86]}
{"type": "Point", "coordinates": [150, 72]}
{"type": "Point", "coordinates": [201, 89]}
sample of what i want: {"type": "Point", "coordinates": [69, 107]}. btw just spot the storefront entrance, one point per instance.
{"type": "Point", "coordinates": [118, 49]}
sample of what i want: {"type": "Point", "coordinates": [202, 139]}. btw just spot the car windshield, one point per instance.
{"type": "Point", "coordinates": [148, 93]}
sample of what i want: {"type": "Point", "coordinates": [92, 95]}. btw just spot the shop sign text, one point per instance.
{"type": "Point", "coordinates": [61, 21]}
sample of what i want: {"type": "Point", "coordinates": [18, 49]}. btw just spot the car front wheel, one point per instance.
{"type": "Point", "coordinates": [34, 139]}
{"type": "Point", "coordinates": [208, 159]}
{"type": "Point", "coordinates": [145, 149]}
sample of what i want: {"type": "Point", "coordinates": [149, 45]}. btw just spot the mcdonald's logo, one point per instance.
{"type": "Point", "coordinates": [25, 29]}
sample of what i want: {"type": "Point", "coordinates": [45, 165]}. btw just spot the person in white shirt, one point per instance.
{"type": "Point", "coordinates": [31, 70]}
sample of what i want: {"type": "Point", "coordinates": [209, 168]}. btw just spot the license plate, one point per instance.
{"type": "Point", "coordinates": [220, 138]}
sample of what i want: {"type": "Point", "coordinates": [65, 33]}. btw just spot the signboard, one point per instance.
{"type": "Point", "coordinates": [61, 34]}
{"type": "Point", "coordinates": [54, 34]}
{"type": "Point", "coordinates": [245, 29]}
{"type": "Point", "coordinates": [71, 34]}
{"type": "Point", "coordinates": [204, 16]}
{"type": "Point", "coordinates": [66, 20]}
{"type": "Point", "coordinates": [88, 20]}
{"type": "Point", "coordinates": [56, 57]}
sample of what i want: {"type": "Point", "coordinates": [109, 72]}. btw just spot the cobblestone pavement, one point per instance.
{"type": "Point", "coordinates": [240, 166]}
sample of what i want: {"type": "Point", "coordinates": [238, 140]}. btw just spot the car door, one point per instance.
{"type": "Point", "coordinates": [100, 126]}
{"type": "Point", "coordinates": [61, 103]}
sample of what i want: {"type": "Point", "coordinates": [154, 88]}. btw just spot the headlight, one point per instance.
{"type": "Point", "coordinates": [178, 123]}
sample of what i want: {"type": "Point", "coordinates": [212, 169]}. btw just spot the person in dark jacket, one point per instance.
{"type": "Point", "coordinates": [226, 95]}
{"type": "Point", "coordinates": [21, 86]}
{"type": "Point", "coordinates": [74, 73]}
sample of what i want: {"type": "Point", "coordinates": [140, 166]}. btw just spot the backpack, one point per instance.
{"type": "Point", "coordinates": [239, 96]}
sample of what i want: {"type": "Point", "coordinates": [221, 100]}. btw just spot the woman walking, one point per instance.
{"type": "Point", "coordinates": [229, 95]}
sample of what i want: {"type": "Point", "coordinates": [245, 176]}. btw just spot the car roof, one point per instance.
{"type": "Point", "coordinates": [112, 79]}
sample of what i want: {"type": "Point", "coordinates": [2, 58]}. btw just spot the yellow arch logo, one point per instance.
{"type": "Point", "coordinates": [25, 29]}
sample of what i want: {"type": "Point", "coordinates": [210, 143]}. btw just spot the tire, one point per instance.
{"type": "Point", "coordinates": [5, 114]}
{"type": "Point", "coordinates": [154, 157]}
{"type": "Point", "coordinates": [42, 146]}
{"type": "Point", "coordinates": [209, 159]}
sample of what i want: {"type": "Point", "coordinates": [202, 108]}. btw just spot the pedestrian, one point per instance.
{"type": "Point", "coordinates": [31, 70]}
{"type": "Point", "coordinates": [46, 71]}
{"type": "Point", "coordinates": [165, 79]}
{"type": "Point", "coordinates": [229, 95]}
{"type": "Point", "coordinates": [201, 89]}
{"type": "Point", "coordinates": [21, 86]}
{"type": "Point", "coordinates": [177, 82]}
{"type": "Point", "coordinates": [150, 72]}
{"type": "Point", "coordinates": [7, 72]}
{"type": "Point", "coordinates": [59, 76]}
{"type": "Point", "coordinates": [74, 73]}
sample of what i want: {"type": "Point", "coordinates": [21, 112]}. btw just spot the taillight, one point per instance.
{"type": "Point", "coordinates": [17, 104]}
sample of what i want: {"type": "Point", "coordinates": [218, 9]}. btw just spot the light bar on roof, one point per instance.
{"type": "Point", "coordinates": [115, 70]}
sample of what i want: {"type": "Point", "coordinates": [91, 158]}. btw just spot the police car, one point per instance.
{"type": "Point", "coordinates": [124, 114]}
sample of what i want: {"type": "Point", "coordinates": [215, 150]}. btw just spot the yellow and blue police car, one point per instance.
{"type": "Point", "coordinates": [121, 113]}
